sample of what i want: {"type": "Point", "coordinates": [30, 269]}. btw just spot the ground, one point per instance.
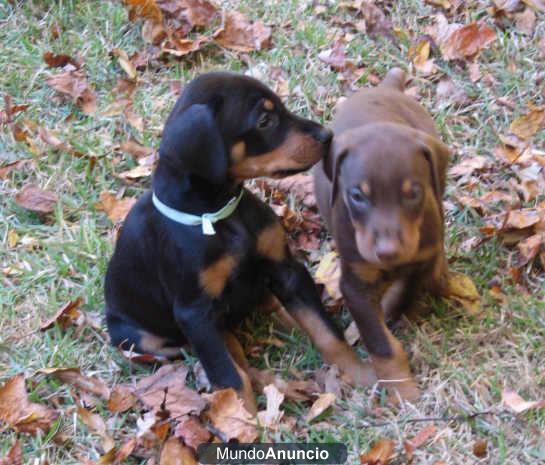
{"type": "Point", "coordinates": [462, 362]}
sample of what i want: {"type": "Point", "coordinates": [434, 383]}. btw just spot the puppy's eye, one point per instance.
{"type": "Point", "coordinates": [412, 197]}
{"type": "Point", "coordinates": [358, 197]}
{"type": "Point", "coordinates": [266, 120]}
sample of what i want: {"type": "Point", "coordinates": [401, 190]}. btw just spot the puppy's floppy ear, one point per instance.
{"type": "Point", "coordinates": [193, 144]}
{"type": "Point", "coordinates": [332, 163]}
{"type": "Point", "coordinates": [437, 154]}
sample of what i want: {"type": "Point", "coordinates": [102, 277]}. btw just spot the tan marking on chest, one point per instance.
{"type": "Point", "coordinates": [271, 242]}
{"type": "Point", "coordinates": [214, 278]}
{"type": "Point", "coordinates": [238, 152]}
{"type": "Point", "coordinates": [366, 272]}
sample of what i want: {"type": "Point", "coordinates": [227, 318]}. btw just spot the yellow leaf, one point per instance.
{"type": "Point", "coordinates": [328, 273]}
{"type": "Point", "coordinates": [462, 289]}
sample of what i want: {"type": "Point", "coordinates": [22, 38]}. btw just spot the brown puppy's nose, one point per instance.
{"type": "Point", "coordinates": [387, 249]}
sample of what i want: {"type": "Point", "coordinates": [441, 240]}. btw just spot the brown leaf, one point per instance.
{"type": "Point", "coordinates": [14, 456]}
{"type": "Point", "coordinates": [449, 93]}
{"type": "Point", "coordinates": [192, 432]}
{"type": "Point", "coordinates": [49, 138]}
{"type": "Point", "coordinates": [74, 84]}
{"type": "Point", "coordinates": [529, 248]}
{"type": "Point", "coordinates": [467, 41]}
{"type": "Point", "coordinates": [380, 454]}
{"type": "Point", "coordinates": [227, 414]}
{"type": "Point", "coordinates": [376, 22]}
{"type": "Point", "coordinates": [517, 404]}
{"type": "Point", "coordinates": [270, 418]}
{"type": "Point", "coordinates": [328, 273]}
{"type": "Point", "coordinates": [96, 424]}
{"type": "Point", "coordinates": [197, 13]}
{"type": "Point", "coordinates": [121, 399]}
{"type": "Point", "coordinates": [116, 209]}
{"type": "Point", "coordinates": [526, 126]}
{"type": "Point", "coordinates": [421, 58]}
{"type": "Point", "coordinates": [336, 58]}
{"type": "Point", "coordinates": [6, 115]}
{"type": "Point", "coordinates": [125, 62]}
{"type": "Point", "coordinates": [320, 405]}
{"type": "Point", "coordinates": [538, 5]}
{"type": "Point", "coordinates": [166, 387]}
{"type": "Point", "coordinates": [59, 61]}
{"type": "Point", "coordinates": [474, 72]}
{"type": "Point", "coordinates": [125, 450]}
{"type": "Point", "coordinates": [480, 448]}
{"type": "Point", "coordinates": [7, 168]}
{"type": "Point", "coordinates": [462, 289]}
{"type": "Point", "coordinates": [296, 390]}
{"type": "Point", "coordinates": [299, 185]}
{"type": "Point", "coordinates": [422, 436]}
{"type": "Point", "coordinates": [241, 35]}
{"type": "Point", "coordinates": [525, 21]}
{"type": "Point", "coordinates": [35, 199]}
{"type": "Point", "coordinates": [144, 9]}
{"type": "Point", "coordinates": [66, 316]}
{"type": "Point", "coordinates": [74, 377]}
{"type": "Point", "coordinates": [134, 119]}
{"type": "Point", "coordinates": [174, 453]}
{"type": "Point", "coordinates": [19, 413]}
{"type": "Point", "coordinates": [136, 149]}
{"type": "Point", "coordinates": [469, 166]}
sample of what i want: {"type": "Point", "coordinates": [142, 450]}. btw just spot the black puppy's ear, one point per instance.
{"type": "Point", "coordinates": [437, 154]}
{"type": "Point", "coordinates": [332, 164]}
{"type": "Point", "coordinates": [193, 144]}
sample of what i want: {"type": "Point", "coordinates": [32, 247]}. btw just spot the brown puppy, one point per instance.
{"type": "Point", "coordinates": [380, 193]}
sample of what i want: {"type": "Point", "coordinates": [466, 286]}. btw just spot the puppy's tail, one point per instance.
{"type": "Point", "coordinates": [394, 78]}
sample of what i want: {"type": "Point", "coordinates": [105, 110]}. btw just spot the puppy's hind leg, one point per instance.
{"type": "Point", "coordinates": [128, 335]}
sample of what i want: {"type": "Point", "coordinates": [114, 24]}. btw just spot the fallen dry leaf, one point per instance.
{"type": "Point", "coordinates": [175, 453]}
{"type": "Point", "coordinates": [166, 388]}
{"type": "Point", "coordinates": [59, 61]}
{"type": "Point", "coordinates": [51, 139]}
{"type": "Point", "coordinates": [135, 149]}
{"type": "Point", "coordinates": [116, 209]}
{"type": "Point", "coordinates": [19, 413]}
{"type": "Point", "coordinates": [529, 248]}
{"type": "Point", "coordinates": [96, 424]}
{"type": "Point", "coordinates": [525, 21]}
{"type": "Point", "coordinates": [422, 62]}
{"type": "Point", "coordinates": [337, 59]}
{"type": "Point", "coordinates": [517, 404]}
{"type": "Point", "coordinates": [192, 432]}
{"type": "Point", "coordinates": [74, 84]}
{"type": "Point", "coordinates": [380, 454]}
{"type": "Point", "coordinates": [328, 273]}
{"type": "Point", "coordinates": [461, 288]}
{"type": "Point", "coordinates": [35, 199]}
{"type": "Point", "coordinates": [9, 167]}
{"type": "Point", "coordinates": [14, 456]}
{"type": "Point", "coordinates": [121, 399]}
{"type": "Point", "coordinates": [66, 316]}
{"type": "Point", "coordinates": [271, 417]}
{"type": "Point", "coordinates": [376, 22]}
{"type": "Point", "coordinates": [74, 377]}
{"type": "Point", "coordinates": [423, 436]}
{"type": "Point", "coordinates": [144, 9]}
{"type": "Point", "coordinates": [480, 448]}
{"type": "Point", "coordinates": [125, 62]}
{"type": "Point", "coordinates": [526, 126]}
{"type": "Point", "coordinates": [241, 35]}
{"type": "Point", "coordinates": [300, 185]}
{"type": "Point", "coordinates": [320, 405]}
{"type": "Point", "coordinates": [467, 41]}
{"type": "Point", "coordinates": [296, 390]}
{"type": "Point", "coordinates": [125, 450]}
{"type": "Point", "coordinates": [228, 415]}
{"type": "Point", "coordinates": [135, 120]}
{"type": "Point", "coordinates": [448, 93]}
{"type": "Point", "coordinates": [329, 377]}
{"type": "Point", "coordinates": [469, 165]}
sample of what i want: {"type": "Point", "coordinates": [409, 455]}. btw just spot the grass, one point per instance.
{"type": "Point", "coordinates": [462, 363]}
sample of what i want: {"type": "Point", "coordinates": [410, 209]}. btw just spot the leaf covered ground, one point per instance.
{"type": "Point", "coordinates": [86, 87]}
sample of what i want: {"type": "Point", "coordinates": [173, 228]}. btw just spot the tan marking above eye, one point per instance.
{"type": "Point", "coordinates": [406, 187]}
{"type": "Point", "coordinates": [365, 188]}
{"type": "Point", "coordinates": [214, 278]}
{"type": "Point", "coordinates": [271, 242]}
{"type": "Point", "coordinates": [238, 151]}
{"type": "Point", "coordinates": [268, 105]}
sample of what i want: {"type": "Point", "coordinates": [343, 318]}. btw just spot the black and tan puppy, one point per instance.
{"type": "Point", "coordinates": [169, 283]}
{"type": "Point", "coordinates": [380, 191]}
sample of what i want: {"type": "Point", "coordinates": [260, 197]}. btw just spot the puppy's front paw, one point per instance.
{"type": "Point", "coordinates": [359, 373]}
{"type": "Point", "coordinates": [402, 390]}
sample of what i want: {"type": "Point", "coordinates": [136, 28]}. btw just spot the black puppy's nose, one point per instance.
{"type": "Point", "coordinates": [324, 135]}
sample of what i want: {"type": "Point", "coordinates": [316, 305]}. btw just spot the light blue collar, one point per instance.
{"type": "Point", "coordinates": [206, 219]}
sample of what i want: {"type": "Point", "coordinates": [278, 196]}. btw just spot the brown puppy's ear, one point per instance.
{"type": "Point", "coordinates": [192, 143]}
{"type": "Point", "coordinates": [332, 163]}
{"type": "Point", "coordinates": [437, 154]}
